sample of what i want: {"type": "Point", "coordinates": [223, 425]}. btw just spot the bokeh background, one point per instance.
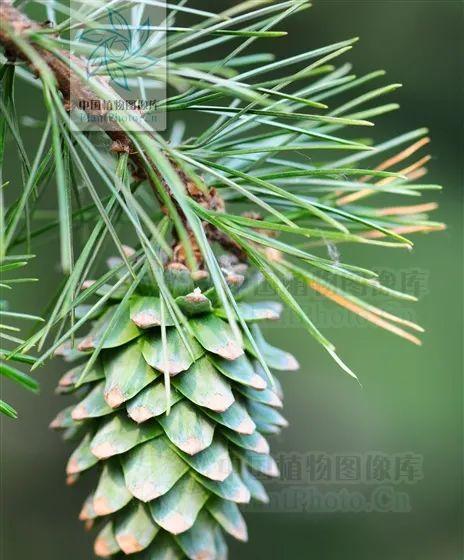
{"type": "Point", "coordinates": [411, 399]}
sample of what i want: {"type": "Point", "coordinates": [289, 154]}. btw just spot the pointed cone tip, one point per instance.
{"type": "Point", "coordinates": [145, 319]}
{"type": "Point", "coordinates": [72, 467]}
{"type": "Point", "coordinates": [128, 543]}
{"type": "Point", "coordinates": [220, 402]}
{"type": "Point", "coordinates": [140, 414]}
{"type": "Point", "coordinates": [146, 492]}
{"type": "Point", "coordinates": [258, 383]}
{"type": "Point", "coordinates": [262, 447]}
{"type": "Point", "coordinates": [240, 532]}
{"type": "Point", "coordinates": [87, 344]}
{"type": "Point", "coordinates": [54, 424]}
{"type": "Point", "coordinates": [79, 413]}
{"type": "Point", "coordinates": [192, 446]}
{"type": "Point", "coordinates": [292, 363]}
{"type": "Point", "coordinates": [114, 397]}
{"type": "Point", "coordinates": [85, 513]}
{"type": "Point", "coordinates": [103, 450]}
{"type": "Point", "coordinates": [243, 495]}
{"type": "Point", "coordinates": [175, 523]}
{"type": "Point", "coordinates": [102, 548]}
{"type": "Point", "coordinates": [231, 351]}
{"type": "Point", "coordinates": [246, 427]}
{"type": "Point", "coordinates": [72, 479]}
{"type": "Point", "coordinates": [275, 401]}
{"type": "Point", "coordinates": [271, 469]}
{"type": "Point", "coordinates": [101, 506]}
{"type": "Point", "coordinates": [220, 471]}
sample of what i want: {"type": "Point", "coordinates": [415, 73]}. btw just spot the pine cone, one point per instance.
{"type": "Point", "coordinates": [170, 480]}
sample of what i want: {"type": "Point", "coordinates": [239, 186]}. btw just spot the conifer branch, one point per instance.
{"type": "Point", "coordinates": [266, 124]}
{"type": "Point", "coordinates": [73, 90]}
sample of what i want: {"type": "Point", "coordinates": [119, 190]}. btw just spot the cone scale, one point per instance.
{"type": "Point", "coordinates": [172, 475]}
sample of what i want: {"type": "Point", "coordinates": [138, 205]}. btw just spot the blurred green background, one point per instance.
{"type": "Point", "coordinates": [411, 399]}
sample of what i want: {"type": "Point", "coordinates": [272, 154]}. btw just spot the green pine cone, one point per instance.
{"type": "Point", "coordinates": [171, 480]}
